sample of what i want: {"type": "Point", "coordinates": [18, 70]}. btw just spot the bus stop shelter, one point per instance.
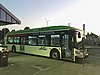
{"type": "Point", "coordinates": [6, 18]}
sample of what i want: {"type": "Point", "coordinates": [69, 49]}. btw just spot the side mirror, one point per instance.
{"type": "Point", "coordinates": [79, 35]}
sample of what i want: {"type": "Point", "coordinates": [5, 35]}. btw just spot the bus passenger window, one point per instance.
{"type": "Point", "coordinates": [16, 40]}
{"type": "Point", "coordinates": [42, 40]}
{"type": "Point", "coordinates": [10, 40]}
{"type": "Point", "coordinates": [55, 40]}
{"type": "Point", "coordinates": [32, 40]}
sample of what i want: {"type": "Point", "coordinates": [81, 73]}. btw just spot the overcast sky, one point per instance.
{"type": "Point", "coordinates": [33, 13]}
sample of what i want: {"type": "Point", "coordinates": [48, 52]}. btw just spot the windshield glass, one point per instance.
{"type": "Point", "coordinates": [78, 43]}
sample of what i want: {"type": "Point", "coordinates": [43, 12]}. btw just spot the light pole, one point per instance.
{"type": "Point", "coordinates": [83, 43]}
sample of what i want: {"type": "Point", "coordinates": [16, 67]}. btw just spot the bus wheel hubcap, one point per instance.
{"type": "Point", "coordinates": [54, 55]}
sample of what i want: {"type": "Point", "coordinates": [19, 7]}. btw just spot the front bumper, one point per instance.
{"type": "Point", "coordinates": [86, 55]}
{"type": "Point", "coordinates": [83, 55]}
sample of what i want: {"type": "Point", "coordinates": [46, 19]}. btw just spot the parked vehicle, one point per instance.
{"type": "Point", "coordinates": [57, 42]}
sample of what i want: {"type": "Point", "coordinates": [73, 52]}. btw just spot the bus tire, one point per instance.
{"type": "Point", "coordinates": [13, 49]}
{"type": "Point", "coordinates": [54, 54]}
{"type": "Point", "coordinates": [78, 60]}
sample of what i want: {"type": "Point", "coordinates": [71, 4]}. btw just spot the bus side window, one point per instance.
{"type": "Point", "coordinates": [10, 40]}
{"type": "Point", "coordinates": [55, 40]}
{"type": "Point", "coordinates": [16, 40]}
{"type": "Point", "coordinates": [42, 40]}
{"type": "Point", "coordinates": [32, 40]}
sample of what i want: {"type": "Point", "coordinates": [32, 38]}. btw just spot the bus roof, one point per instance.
{"type": "Point", "coordinates": [43, 29]}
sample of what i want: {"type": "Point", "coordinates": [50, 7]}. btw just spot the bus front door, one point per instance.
{"type": "Point", "coordinates": [22, 45]}
{"type": "Point", "coordinates": [66, 52]}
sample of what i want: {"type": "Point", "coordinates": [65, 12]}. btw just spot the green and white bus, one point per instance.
{"type": "Point", "coordinates": [57, 42]}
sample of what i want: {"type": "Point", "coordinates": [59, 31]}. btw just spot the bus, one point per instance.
{"type": "Point", "coordinates": [57, 42]}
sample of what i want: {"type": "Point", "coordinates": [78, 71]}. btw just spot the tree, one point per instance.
{"type": "Point", "coordinates": [13, 30]}
{"type": "Point", "coordinates": [26, 28]}
{"type": "Point", "coordinates": [4, 32]}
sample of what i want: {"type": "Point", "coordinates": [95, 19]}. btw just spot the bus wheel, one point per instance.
{"type": "Point", "coordinates": [55, 54]}
{"type": "Point", "coordinates": [79, 60]}
{"type": "Point", "coordinates": [13, 49]}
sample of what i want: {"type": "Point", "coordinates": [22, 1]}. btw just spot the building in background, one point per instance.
{"type": "Point", "coordinates": [92, 39]}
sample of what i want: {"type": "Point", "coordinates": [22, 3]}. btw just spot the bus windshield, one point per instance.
{"type": "Point", "coordinates": [78, 41]}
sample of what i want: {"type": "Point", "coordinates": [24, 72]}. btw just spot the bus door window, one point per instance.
{"type": "Point", "coordinates": [22, 47]}
{"type": "Point", "coordinates": [72, 41]}
{"type": "Point", "coordinates": [22, 40]}
{"type": "Point", "coordinates": [65, 46]}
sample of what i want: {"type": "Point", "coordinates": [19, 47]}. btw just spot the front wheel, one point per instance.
{"type": "Point", "coordinates": [79, 60]}
{"type": "Point", "coordinates": [55, 55]}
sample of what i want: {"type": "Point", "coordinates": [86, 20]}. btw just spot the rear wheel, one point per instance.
{"type": "Point", "coordinates": [55, 55]}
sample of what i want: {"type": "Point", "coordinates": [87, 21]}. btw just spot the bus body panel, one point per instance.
{"type": "Point", "coordinates": [40, 50]}
{"type": "Point", "coordinates": [36, 50]}
{"type": "Point", "coordinates": [41, 41]}
{"type": "Point", "coordinates": [11, 45]}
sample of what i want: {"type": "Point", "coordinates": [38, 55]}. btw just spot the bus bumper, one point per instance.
{"type": "Point", "coordinates": [81, 56]}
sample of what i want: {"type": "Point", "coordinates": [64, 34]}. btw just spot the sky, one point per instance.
{"type": "Point", "coordinates": [36, 13]}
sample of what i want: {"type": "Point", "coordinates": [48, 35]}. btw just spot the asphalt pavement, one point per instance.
{"type": "Point", "coordinates": [22, 64]}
